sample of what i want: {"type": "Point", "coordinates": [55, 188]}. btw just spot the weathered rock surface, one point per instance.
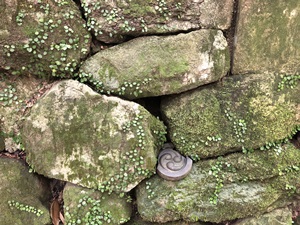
{"type": "Point", "coordinates": [239, 112]}
{"type": "Point", "coordinates": [100, 142]}
{"type": "Point", "coordinates": [17, 94]}
{"type": "Point", "coordinates": [265, 37]}
{"type": "Point", "coordinates": [42, 37]}
{"type": "Point", "coordinates": [276, 217]}
{"type": "Point", "coordinates": [82, 206]}
{"type": "Point", "coordinates": [236, 186]}
{"type": "Point", "coordinates": [137, 220]}
{"type": "Point", "coordinates": [153, 66]}
{"type": "Point", "coordinates": [19, 186]}
{"type": "Point", "coordinates": [113, 22]}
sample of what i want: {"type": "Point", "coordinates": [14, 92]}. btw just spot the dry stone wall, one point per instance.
{"type": "Point", "coordinates": [91, 90]}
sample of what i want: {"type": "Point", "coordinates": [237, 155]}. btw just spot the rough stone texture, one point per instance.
{"type": "Point", "coordinates": [241, 111]}
{"type": "Point", "coordinates": [17, 94]}
{"type": "Point", "coordinates": [87, 205]}
{"type": "Point", "coordinates": [235, 186]}
{"type": "Point", "coordinates": [42, 37]}
{"type": "Point", "coordinates": [276, 217]}
{"type": "Point", "coordinates": [77, 135]}
{"type": "Point", "coordinates": [153, 66]}
{"type": "Point", "coordinates": [20, 186]}
{"type": "Point", "coordinates": [137, 220]}
{"type": "Point", "coordinates": [266, 37]}
{"type": "Point", "coordinates": [114, 21]}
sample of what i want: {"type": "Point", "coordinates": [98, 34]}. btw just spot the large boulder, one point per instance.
{"type": "Point", "coordinates": [241, 112]}
{"type": "Point", "coordinates": [114, 21]}
{"type": "Point", "coordinates": [156, 65]}
{"type": "Point", "coordinates": [24, 196]}
{"type": "Point", "coordinates": [236, 186]}
{"type": "Point", "coordinates": [100, 142]}
{"type": "Point", "coordinates": [43, 38]}
{"type": "Point", "coordinates": [265, 37]}
{"type": "Point", "coordinates": [85, 206]}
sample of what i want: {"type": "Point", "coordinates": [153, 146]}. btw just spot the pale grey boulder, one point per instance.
{"type": "Point", "coordinates": [106, 143]}
{"type": "Point", "coordinates": [154, 66]}
{"type": "Point", "coordinates": [114, 22]}
{"type": "Point", "coordinates": [265, 38]}
{"type": "Point", "coordinates": [24, 196]}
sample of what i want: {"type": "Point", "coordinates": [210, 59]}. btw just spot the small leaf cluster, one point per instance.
{"type": "Point", "coordinates": [24, 207]}
{"type": "Point", "coordinates": [20, 16]}
{"type": "Point", "coordinates": [7, 97]}
{"type": "Point", "coordinates": [216, 172]}
{"type": "Point", "coordinates": [150, 192]}
{"type": "Point", "coordinates": [288, 80]}
{"type": "Point", "coordinates": [89, 212]}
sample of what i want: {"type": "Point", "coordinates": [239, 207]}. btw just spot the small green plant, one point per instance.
{"type": "Point", "coordinates": [291, 189]}
{"type": "Point", "coordinates": [20, 17]}
{"type": "Point", "coordinates": [7, 97]}
{"type": "Point", "coordinates": [24, 207]}
{"type": "Point", "coordinates": [216, 172]}
{"type": "Point", "coordinates": [288, 80]}
{"type": "Point", "coordinates": [150, 192]}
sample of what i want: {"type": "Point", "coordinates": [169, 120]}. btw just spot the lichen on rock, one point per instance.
{"type": "Point", "coordinates": [100, 142]}
{"type": "Point", "coordinates": [24, 196]}
{"type": "Point", "coordinates": [223, 189]}
{"type": "Point", "coordinates": [241, 112]}
{"type": "Point", "coordinates": [153, 66]}
{"type": "Point", "coordinates": [84, 206]}
{"type": "Point", "coordinates": [114, 22]}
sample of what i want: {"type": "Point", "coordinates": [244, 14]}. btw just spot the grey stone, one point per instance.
{"type": "Point", "coordinates": [115, 21]}
{"type": "Point", "coordinates": [19, 186]}
{"type": "Point", "coordinates": [223, 189]}
{"type": "Point", "coordinates": [241, 112]}
{"type": "Point", "coordinates": [154, 66]}
{"type": "Point", "coordinates": [43, 38]}
{"type": "Point", "coordinates": [100, 142]}
{"type": "Point", "coordinates": [265, 37]}
{"type": "Point", "coordinates": [87, 205]}
{"type": "Point", "coordinates": [275, 217]}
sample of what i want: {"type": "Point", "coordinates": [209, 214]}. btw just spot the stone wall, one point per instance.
{"type": "Point", "coordinates": [91, 90]}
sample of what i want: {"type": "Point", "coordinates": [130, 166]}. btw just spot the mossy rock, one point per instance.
{"type": "Point", "coordinates": [99, 142]}
{"type": "Point", "coordinates": [137, 220]}
{"type": "Point", "coordinates": [241, 112]}
{"type": "Point", "coordinates": [223, 189]}
{"type": "Point", "coordinates": [43, 38]}
{"type": "Point", "coordinates": [114, 22]}
{"type": "Point", "coordinates": [22, 190]}
{"type": "Point", "coordinates": [155, 65]}
{"type": "Point", "coordinates": [276, 217]}
{"type": "Point", "coordinates": [84, 206]}
{"type": "Point", "coordinates": [17, 94]}
{"type": "Point", "coordinates": [265, 37]}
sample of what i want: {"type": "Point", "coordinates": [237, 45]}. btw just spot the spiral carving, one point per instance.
{"type": "Point", "coordinates": [172, 165]}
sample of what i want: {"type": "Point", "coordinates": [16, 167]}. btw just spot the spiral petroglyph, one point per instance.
{"type": "Point", "coordinates": [172, 165]}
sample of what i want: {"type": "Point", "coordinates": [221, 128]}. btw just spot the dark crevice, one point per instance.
{"type": "Point", "coordinates": [231, 32]}
{"type": "Point", "coordinates": [296, 140]}
{"type": "Point", "coordinates": [152, 104]}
